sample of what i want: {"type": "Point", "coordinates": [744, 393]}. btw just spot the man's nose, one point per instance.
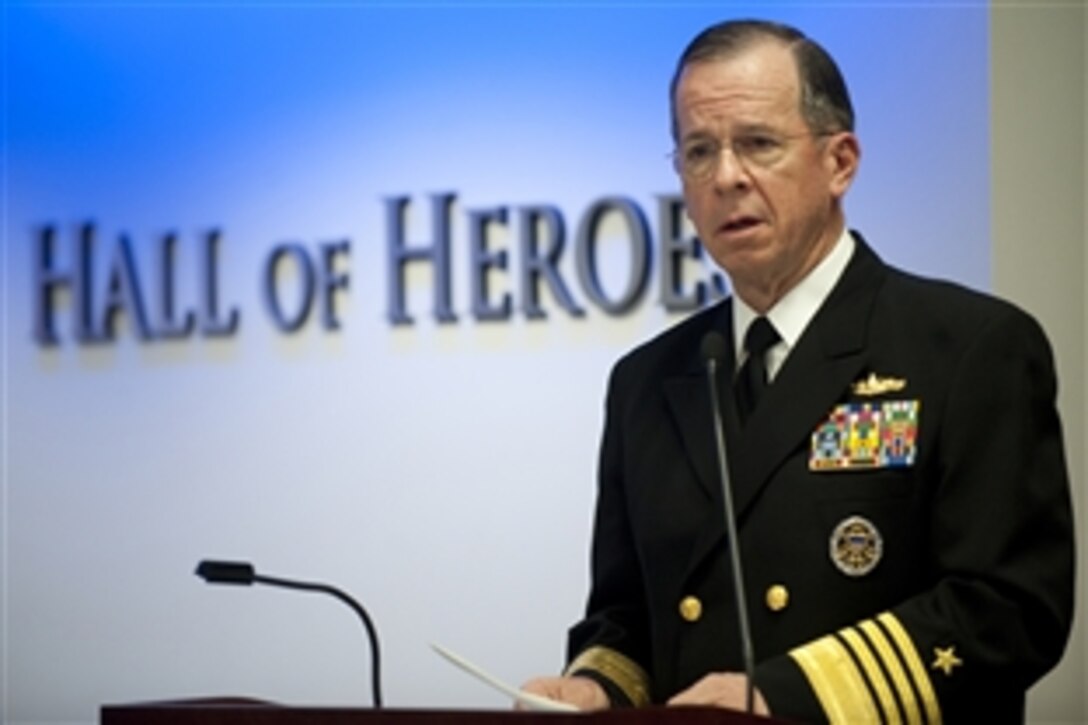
{"type": "Point", "coordinates": [731, 171]}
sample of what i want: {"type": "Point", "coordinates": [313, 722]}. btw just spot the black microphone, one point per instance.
{"type": "Point", "coordinates": [241, 572]}
{"type": "Point", "coordinates": [714, 350]}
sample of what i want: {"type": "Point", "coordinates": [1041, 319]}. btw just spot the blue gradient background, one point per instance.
{"type": "Point", "coordinates": [444, 474]}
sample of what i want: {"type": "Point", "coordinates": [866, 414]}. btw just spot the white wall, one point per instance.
{"type": "Point", "coordinates": [443, 474]}
{"type": "Point", "coordinates": [1038, 160]}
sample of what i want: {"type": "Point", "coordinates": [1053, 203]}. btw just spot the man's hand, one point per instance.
{"type": "Point", "coordinates": [582, 692]}
{"type": "Point", "coordinates": [722, 689]}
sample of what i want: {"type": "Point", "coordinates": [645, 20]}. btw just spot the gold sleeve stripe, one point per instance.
{"type": "Point", "coordinates": [874, 674]}
{"type": "Point", "coordinates": [914, 664]}
{"type": "Point", "coordinates": [627, 674]}
{"type": "Point", "coordinates": [890, 659]}
{"type": "Point", "coordinates": [836, 681]}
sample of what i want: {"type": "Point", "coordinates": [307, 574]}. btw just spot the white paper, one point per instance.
{"type": "Point", "coordinates": [528, 699]}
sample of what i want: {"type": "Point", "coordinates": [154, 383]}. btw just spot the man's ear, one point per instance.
{"type": "Point", "coordinates": [842, 155]}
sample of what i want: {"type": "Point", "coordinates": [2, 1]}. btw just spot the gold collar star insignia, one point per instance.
{"type": "Point", "coordinates": [874, 385]}
{"type": "Point", "coordinates": [946, 659]}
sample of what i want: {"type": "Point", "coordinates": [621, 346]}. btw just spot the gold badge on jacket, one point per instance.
{"type": "Point", "coordinates": [856, 546]}
{"type": "Point", "coordinates": [876, 385]}
{"type": "Point", "coordinates": [866, 435]}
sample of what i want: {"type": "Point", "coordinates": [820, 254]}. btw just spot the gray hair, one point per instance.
{"type": "Point", "coordinates": [825, 101]}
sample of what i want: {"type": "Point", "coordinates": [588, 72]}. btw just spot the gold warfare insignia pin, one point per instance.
{"type": "Point", "coordinates": [856, 546]}
{"type": "Point", "coordinates": [874, 385]}
{"type": "Point", "coordinates": [866, 435]}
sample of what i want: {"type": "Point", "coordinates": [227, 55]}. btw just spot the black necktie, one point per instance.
{"type": "Point", "coordinates": [752, 380]}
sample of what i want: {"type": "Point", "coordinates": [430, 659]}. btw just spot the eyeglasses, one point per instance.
{"type": "Point", "coordinates": [698, 158]}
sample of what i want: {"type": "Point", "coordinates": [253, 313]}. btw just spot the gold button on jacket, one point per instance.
{"type": "Point", "coordinates": [691, 609]}
{"type": "Point", "coordinates": [778, 597]}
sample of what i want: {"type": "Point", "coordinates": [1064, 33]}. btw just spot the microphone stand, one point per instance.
{"type": "Point", "coordinates": [236, 572]}
{"type": "Point", "coordinates": [713, 350]}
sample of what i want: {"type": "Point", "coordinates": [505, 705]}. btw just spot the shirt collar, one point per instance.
{"type": "Point", "coordinates": [791, 314]}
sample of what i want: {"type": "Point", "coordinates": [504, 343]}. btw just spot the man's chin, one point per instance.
{"type": "Point", "coordinates": [747, 263]}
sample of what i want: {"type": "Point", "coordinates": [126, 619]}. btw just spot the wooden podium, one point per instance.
{"type": "Point", "coordinates": [232, 711]}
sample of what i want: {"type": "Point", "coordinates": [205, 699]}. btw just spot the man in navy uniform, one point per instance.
{"type": "Point", "coordinates": [899, 482]}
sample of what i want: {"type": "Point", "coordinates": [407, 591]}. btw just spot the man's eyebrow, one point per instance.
{"type": "Point", "coordinates": [744, 128]}
{"type": "Point", "coordinates": [700, 134]}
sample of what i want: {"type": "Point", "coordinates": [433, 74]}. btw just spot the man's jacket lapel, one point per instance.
{"type": "Point", "coordinates": [829, 355]}
{"type": "Point", "coordinates": [688, 396]}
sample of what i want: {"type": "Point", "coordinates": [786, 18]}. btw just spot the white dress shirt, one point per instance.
{"type": "Point", "coordinates": [791, 314]}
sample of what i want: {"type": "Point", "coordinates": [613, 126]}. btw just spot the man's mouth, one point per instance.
{"type": "Point", "coordinates": [739, 224]}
